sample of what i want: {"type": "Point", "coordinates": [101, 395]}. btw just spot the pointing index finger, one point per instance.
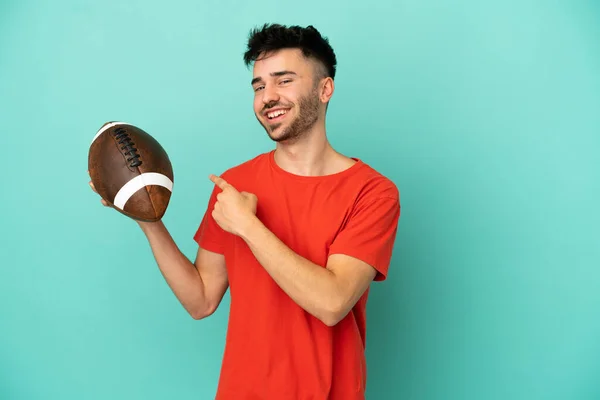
{"type": "Point", "coordinates": [220, 182]}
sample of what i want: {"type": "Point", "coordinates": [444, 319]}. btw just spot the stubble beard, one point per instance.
{"type": "Point", "coordinates": [299, 127]}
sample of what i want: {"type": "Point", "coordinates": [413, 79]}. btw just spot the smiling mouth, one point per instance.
{"type": "Point", "coordinates": [276, 114]}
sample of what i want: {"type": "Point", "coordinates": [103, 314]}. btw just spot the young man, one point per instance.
{"type": "Point", "coordinates": [297, 234]}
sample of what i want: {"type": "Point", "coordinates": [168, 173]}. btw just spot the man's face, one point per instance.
{"type": "Point", "coordinates": [286, 97]}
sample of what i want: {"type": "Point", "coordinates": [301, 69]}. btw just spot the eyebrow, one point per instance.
{"type": "Point", "coordinates": [278, 73]}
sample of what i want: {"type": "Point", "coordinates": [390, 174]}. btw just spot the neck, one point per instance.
{"type": "Point", "coordinates": [312, 155]}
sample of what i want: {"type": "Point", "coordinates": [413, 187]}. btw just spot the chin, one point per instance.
{"type": "Point", "coordinates": [279, 132]}
{"type": "Point", "coordinates": [284, 136]}
{"type": "Point", "coordinates": [277, 135]}
{"type": "Point", "coordinates": [274, 130]}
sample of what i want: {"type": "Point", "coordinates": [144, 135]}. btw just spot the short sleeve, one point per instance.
{"type": "Point", "coordinates": [210, 235]}
{"type": "Point", "coordinates": [370, 233]}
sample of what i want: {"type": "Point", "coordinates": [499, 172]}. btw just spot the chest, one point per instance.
{"type": "Point", "coordinates": [306, 219]}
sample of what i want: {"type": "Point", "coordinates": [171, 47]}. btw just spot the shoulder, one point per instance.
{"type": "Point", "coordinates": [374, 185]}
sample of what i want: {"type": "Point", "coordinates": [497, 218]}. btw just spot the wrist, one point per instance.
{"type": "Point", "coordinates": [248, 230]}
{"type": "Point", "coordinates": [149, 226]}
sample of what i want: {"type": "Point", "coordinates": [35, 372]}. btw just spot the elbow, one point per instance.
{"type": "Point", "coordinates": [334, 313]}
{"type": "Point", "coordinates": [198, 313]}
{"type": "Point", "coordinates": [332, 319]}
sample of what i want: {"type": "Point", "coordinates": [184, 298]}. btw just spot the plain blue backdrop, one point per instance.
{"type": "Point", "coordinates": [485, 114]}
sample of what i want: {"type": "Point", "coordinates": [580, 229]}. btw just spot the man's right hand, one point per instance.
{"type": "Point", "coordinates": [199, 286]}
{"type": "Point", "coordinates": [104, 202]}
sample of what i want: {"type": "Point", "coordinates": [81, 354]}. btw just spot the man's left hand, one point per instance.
{"type": "Point", "coordinates": [234, 211]}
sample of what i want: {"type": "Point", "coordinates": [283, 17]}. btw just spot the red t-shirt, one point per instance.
{"type": "Point", "coordinates": [274, 349]}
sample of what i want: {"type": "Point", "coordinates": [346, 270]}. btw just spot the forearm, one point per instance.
{"type": "Point", "coordinates": [179, 272]}
{"type": "Point", "coordinates": [311, 286]}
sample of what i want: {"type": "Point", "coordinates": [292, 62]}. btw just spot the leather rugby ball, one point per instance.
{"type": "Point", "coordinates": [131, 171]}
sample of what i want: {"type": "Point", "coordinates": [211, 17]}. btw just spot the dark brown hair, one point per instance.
{"type": "Point", "coordinates": [272, 37]}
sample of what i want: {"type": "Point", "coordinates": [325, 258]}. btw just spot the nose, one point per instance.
{"type": "Point", "coordinates": [270, 95]}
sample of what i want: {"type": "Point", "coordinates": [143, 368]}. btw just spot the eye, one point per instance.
{"type": "Point", "coordinates": [285, 81]}
{"type": "Point", "coordinates": [257, 88]}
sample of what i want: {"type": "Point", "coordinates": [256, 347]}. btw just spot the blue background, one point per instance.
{"type": "Point", "coordinates": [485, 114]}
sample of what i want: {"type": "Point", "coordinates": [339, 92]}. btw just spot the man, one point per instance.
{"type": "Point", "coordinates": [297, 234]}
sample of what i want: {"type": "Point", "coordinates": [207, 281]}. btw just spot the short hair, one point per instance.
{"type": "Point", "coordinates": [273, 37]}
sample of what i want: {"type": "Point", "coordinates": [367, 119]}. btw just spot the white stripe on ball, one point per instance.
{"type": "Point", "coordinates": [106, 127]}
{"type": "Point", "coordinates": [137, 183]}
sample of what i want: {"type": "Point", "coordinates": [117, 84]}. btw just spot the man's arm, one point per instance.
{"type": "Point", "coordinates": [326, 293]}
{"type": "Point", "coordinates": [361, 250]}
{"type": "Point", "coordinates": [198, 286]}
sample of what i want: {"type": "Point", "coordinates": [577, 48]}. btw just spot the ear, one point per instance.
{"type": "Point", "coordinates": [327, 87]}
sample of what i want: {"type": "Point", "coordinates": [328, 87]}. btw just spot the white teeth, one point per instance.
{"type": "Point", "coordinates": [276, 113]}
